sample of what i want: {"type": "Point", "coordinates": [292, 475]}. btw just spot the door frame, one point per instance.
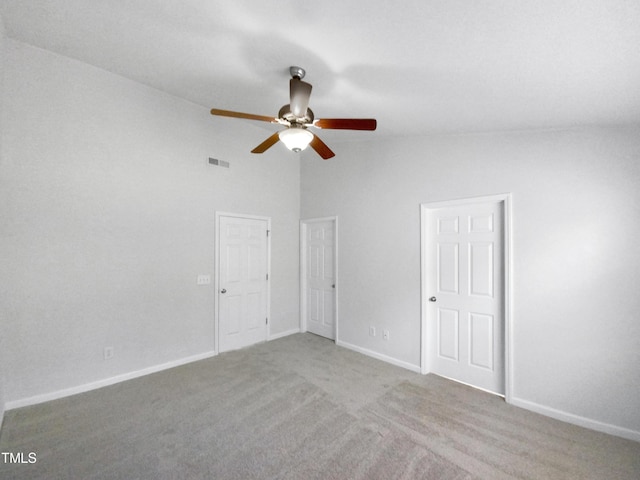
{"type": "Point", "coordinates": [425, 208]}
{"type": "Point", "coordinates": [216, 315]}
{"type": "Point", "coordinates": [303, 270]}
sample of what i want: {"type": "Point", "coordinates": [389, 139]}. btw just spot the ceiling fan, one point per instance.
{"type": "Point", "coordinates": [297, 117]}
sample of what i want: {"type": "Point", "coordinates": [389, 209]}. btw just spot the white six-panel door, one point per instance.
{"type": "Point", "coordinates": [242, 281]}
{"type": "Point", "coordinates": [319, 283]}
{"type": "Point", "coordinates": [465, 293]}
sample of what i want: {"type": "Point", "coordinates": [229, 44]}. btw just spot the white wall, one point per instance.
{"type": "Point", "coordinates": [108, 209]}
{"type": "Point", "coordinates": [576, 220]}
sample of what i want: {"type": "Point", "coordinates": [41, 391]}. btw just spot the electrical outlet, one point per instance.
{"type": "Point", "coordinates": [372, 331]}
{"type": "Point", "coordinates": [385, 334]}
{"type": "Point", "coordinates": [108, 353]}
{"type": "Point", "coordinates": [203, 280]}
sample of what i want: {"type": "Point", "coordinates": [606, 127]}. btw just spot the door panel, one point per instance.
{"type": "Point", "coordinates": [448, 337]}
{"type": "Point", "coordinates": [481, 354]}
{"type": "Point", "coordinates": [328, 259]}
{"type": "Point", "coordinates": [242, 296]}
{"type": "Point", "coordinates": [232, 263]}
{"type": "Point", "coordinates": [314, 305]}
{"type": "Point", "coordinates": [232, 314]}
{"type": "Point", "coordinates": [448, 271]}
{"type": "Point", "coordinates": [255, 312]}
{"type": "Point", "coordinates": [481, 269]}
{"type": "Point", "coordinates": [465, 320]}
{"type": "Point", "coordinates": [319, 281]}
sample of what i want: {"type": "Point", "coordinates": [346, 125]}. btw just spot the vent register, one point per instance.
{"type": "Point", "coordinates": [219, 163]}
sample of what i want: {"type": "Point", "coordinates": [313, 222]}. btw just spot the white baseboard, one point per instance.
{"type": "Point", "coordinates": [518, 402]}
{"type": "Point", "coordinates": [379, 356]}
{"type": "Point", "coordinates": [577, 420]}
{"type": "Point", "coordinates": [24, 402]}
{"type": "Point", "coordinates": [276, 336]}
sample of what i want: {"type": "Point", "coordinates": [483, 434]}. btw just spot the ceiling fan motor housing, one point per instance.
{"type": "Point", "coordinates": [286, 114]}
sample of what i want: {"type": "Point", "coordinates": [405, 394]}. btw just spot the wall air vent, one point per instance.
{"type": "Point", "coordinates": [219, 163]}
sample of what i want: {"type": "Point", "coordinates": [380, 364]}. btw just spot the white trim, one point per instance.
{"type": "Point", "coordinates": [46, 397]}
{"type": "Point", "coordinates": [505, 199]}
{"type": "Point", "coordinates": [276, 336]}
{"type": "Point", "coordinates": [508, 299]}
{"type": "Point", "coordinates": [303, 270]}
{"type": "Point", "coordinates": [303, 275]}
{"type": "Point", "coordinates": [577, 419]}
{"type": "Point", "coordinates": [379, 356]}
{"type": "Point", "coordinates": [498, 197]}
{"type": "Point", "coordinates": [424, 359]}
{"type": "Point", "coordinates": [216, 312]}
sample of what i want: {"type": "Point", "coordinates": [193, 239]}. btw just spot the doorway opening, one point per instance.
{"type": "Point", "coordinates": [466, 320]}
{"type": "Point", "coordinates": [243, 260]}
{"type": "Point", "coordinates": [319, 276]}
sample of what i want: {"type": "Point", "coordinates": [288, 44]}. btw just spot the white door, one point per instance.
{"type": "Point", "coordinates": [242, 281]}
{"type": "Point", "coordinates": [465, 293]}
{"type": "Point", "coordinates": [320, 277]}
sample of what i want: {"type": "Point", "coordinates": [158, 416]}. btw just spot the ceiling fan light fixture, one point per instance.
{"type": "Point", "coordinates": [296, 116]}
{"type": "Point", "coordinates": [296, 139]}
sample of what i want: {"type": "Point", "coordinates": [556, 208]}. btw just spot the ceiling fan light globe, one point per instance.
{"type": "Point", "coordinates": [296, 139]}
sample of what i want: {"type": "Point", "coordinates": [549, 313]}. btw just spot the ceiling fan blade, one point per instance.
{"type": "Point", "coordinates": [269, 142]}
{"type": "Point", "coordinates": [299, 93]}
{"type": "Point", "coordinates": [321, 147]}
{"type": "Point", "coordinates": [347, 123]}
{"type": "Point", "coordinates": [249, 116]}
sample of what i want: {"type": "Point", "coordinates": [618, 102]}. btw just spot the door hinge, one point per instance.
{"type": "Point", "coordinates": [267, 276]}
{"type": "Point", "coordinates": [266, 321]}
{"type": "Point", "coordinates": [268, 231]}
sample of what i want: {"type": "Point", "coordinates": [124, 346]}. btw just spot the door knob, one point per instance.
{"type": "Point", "coordinates": [432, 299]}
{"type": "Point", "coordinates": [224, 290]}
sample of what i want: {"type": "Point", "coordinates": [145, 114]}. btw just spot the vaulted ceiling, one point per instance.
{"type": "Point", "coordinates": [418, 66]}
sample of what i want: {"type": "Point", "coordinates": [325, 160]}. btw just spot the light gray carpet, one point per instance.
{"type": "Point", "coordinates": [301, 408]}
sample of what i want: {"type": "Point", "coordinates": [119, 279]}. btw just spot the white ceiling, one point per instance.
{"type": "Point", "coordinates": [418, 66]}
